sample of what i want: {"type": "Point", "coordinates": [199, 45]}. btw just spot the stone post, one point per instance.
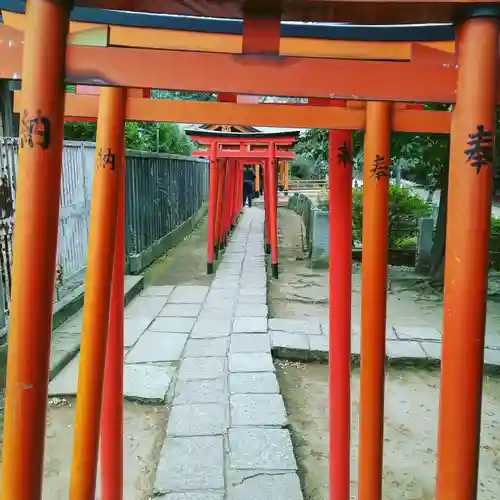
{"type": "Point", "coordinates": [424, 244]}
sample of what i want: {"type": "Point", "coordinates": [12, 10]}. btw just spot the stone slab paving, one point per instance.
{"type": "Point", "coordinates": [154, 344]}
{"type": "Point", "coordinates": [142, 382]}
{"type": "Point", "coordinates": [307, 340]}
{"type": "Point", "coordinates": [65, 342]}
{"type": "Point", "coordinates": [227, 435]}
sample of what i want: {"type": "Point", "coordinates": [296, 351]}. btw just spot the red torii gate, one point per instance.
{"type": "Point", "coordinates": [227, 152]}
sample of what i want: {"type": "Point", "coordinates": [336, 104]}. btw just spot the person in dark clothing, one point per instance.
{"type": "Point", "coordinates": [248, 185]}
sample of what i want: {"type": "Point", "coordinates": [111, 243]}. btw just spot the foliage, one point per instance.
{"type": "Point", "coordinates": [319, 170]}
{"type": "Point", "coordinates": [80, 131]}
{"type": "Point", "coordinates": [141, 136]}
{"type": "Point", "coordinates": [494, 254]}
{"type": "Point", "coordinates": [495, 243]}
{"type": "Point", "coordinates": [312, 145]}
{"type": "Point", "coordinates": [301, 166]}
{"type": "Point", "coordinates": [423, 157]}
{"type": "Point", "coordinates": [183, 96]}
{"type": "Point", "coordinates": [405, 208]}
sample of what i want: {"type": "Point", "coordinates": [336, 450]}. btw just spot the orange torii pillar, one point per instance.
{"type": "Point", "coordinates": [285, 177]}
{"type": "Point", "coordinates": [235, 191]}
{"type": "Point", "coordinates": [373, 298]}
{"type": "Point", "coordinates": [466, 261]}
{"type": "Point", "coordinates": [36, 222]}
{"type": "Point", "coordinates": [231, 165]}
{"type": "Point", "coordinates": [283, 173]}
{"type": "Point", "coordinates": [240, 185]}
{"type": "Point", "coordinates": [257, 178]}
{"type": "Point", "coordinates": [239, 189]}
{"type": "Point", "coordinates": [222, 181]}
{"type": "Point", "coordinates": [226, 205]}
{"type": "Point", "coordinates": [340, 217]}
{"type": "Point", "coordinates": [267, 197]}
{"type": "Point", "coordinates": [112, 399]}
{"type": "Point", "coordinates": [112, 412]}
{"type": "Point", "coordinates": [96, 311]}
{"type": "Point", "coordinates": [272, 175]}
{"type": "Point", "coordinates": [212, 207]}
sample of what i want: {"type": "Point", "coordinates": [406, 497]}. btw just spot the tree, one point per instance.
{"type": "Point", "coordinates": [183, 96]}
{"type": "Point", "coordinates": [300, 167]}
{"type": "Point", "coordinates": [139, 136]}
{"type": "Point", "coordinates": [142, 136]}
{"type": "Point", "coordinates": [313, 146]}
{"type": "Point", "coordinates": [423, 159]}
{"type": "Point", "coordinates": [429, 166]}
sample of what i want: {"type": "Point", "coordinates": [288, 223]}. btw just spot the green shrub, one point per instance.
{"type": "Point", "coordinates": [408, 243]}
{"type": "Point", "coordinates": [300, 167]}
{"type": "Point", "coordinates": [405, 208]}
{"type": "Point", "coordinates": [495, 243]}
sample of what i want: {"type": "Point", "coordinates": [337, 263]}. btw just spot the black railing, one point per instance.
{"type": "Point", "coordinates": [163, 191]}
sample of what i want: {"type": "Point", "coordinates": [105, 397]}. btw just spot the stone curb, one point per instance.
{"type": "Point", "coordinates": [130, 293]}
{"type": "Point", "coordinates": [288, 353]}
{"type": "Point", "coordinates": [63, 313]}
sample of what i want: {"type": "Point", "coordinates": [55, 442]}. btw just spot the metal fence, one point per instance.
{"type": "Point", "coordinates": [163, 191]}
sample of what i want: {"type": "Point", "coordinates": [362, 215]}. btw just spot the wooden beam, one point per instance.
{"type": "Point", "coordinates": [17, 21]}
{"type": "Point", "coordinates": [151, 38]}
{"type": "Point", "coordinates": [124, 36]}
{"type": "Point", "coordinates": [246, 155]}
{"type": "Point", "coordinates": [253, 143]}
{"type": "Point", "coordinates": [170, 39]}
{"type": "Point", "coordinates": [266, 115]}
{"type": "Point", "coordinates": [257, 75]}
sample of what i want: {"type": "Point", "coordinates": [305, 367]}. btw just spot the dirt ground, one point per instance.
{"type": "Point", "coordinates": [144, 433]}
{"type": "Point", "coordinates": [144, 425]}
{"type": "Point", "coordinates": [184, 264]}
{"type": "Point", "coordinates": [411, 394]}
{"type": "Point", "coordinates": [302, 291]}
{"type": "Point", "coordinates": [410, 431]}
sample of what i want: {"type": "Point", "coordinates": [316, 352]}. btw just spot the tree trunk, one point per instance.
{"type": "Point", "coordinates": [398, 173]}
{"type": "Point", "coordinates": [436, 271]}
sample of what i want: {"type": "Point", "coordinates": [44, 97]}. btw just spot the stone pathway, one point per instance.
{"type": "Point", "coordinates": [226, 435]}
{"type": "Point", "coordinates": [206, 351]}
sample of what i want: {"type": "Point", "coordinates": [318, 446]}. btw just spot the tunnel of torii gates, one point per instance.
{"type": "Point", "coordinates": [228, 153]}
{"type": "Point", "coordinates": [253, 53]}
